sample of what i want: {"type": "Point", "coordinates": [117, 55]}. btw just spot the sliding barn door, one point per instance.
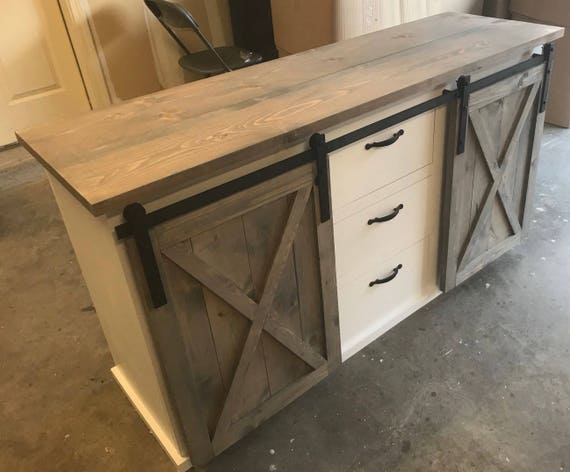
{"type": "Point", "coordinates": [252, 298]}
{"type": "Point", "coordinates": [489, 185]}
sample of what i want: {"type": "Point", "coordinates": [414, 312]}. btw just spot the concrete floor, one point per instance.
{"type": "Point", "coordinates": [477, 381]}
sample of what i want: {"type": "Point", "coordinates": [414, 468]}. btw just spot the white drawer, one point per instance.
{"type": "Point", "coordinates": [368, 312]}
{"type": "Point", "coordinates": [357, 243]}
{"type": "Point", "coordinates": [355, 171]}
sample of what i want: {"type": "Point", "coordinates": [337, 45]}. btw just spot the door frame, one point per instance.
{"type": "Point", "coordinates": [92, 67]}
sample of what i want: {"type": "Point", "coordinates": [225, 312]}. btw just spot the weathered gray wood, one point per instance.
{"type": "Point", "coordinates": [505, 88]}
{"type": "Point", "coordinates": [305, 249]}
{"type": "Point", "coordinates": [446, 267]}
{"type": "Point", "coordinates": [257, 272]}
{"type": "Point", "coordinates": [209, 276]}
{"type": "Point", "coordinates": [206, 218]}
{"type": "Point", "coordinates": [190, 310]}
{"type": "Point", "coordinates": [126, 154]}
{"type": "Point", "coordinates": [277, 402]}
{"type": "Point", "coordinates": [486, 188]}
{"type": "Point", "coordinates": [329, 290]}
{"type": "Point", "coordinates": [177, 372]}
{"type": "Point", "coordinates": [482, 182]}
{"type": "Point", "coordinates": [460, 193]}
{"type": "Point", "coordinates": [479, 231]}
{"type": "Point", "coordinates": [267, 296]}
{"type": "Point", "coordinates": [224, 249]}
{"type": "Point", "coordinates": [263, 228]}
{"type": "Point", "coordinates": [530, 188]}
{"type": "Point", "coordinates": [233, 295]}
{"type": "Point", "coordinates": [484, 259]}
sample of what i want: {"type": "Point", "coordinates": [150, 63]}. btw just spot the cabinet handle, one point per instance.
{"type": "Point", "coordinates": [389, 217]}
{"type": "Point", "coordinates": [387, 279]}
{"type": "Point", "coordinates": [387, 142]}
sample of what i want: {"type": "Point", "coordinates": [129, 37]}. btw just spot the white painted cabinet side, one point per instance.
{"type": "Point", "coordinates": [106, 270]}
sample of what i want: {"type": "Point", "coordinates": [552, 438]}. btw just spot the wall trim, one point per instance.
{"type": "Point", "coordinates": [76, 15]}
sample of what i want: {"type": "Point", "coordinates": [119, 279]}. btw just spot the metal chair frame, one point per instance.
{"type": "Point", "coordinates": [173, 15]}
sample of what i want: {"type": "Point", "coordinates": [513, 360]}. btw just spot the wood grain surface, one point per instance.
{"type": "Point", "coordinates": [491, 183]}
{"type": "Point", "coordinates": [154, 145]}
{"type": "Point", "coordinates": [251, 287]}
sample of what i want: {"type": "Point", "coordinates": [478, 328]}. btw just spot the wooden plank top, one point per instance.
{"type": "Point", "coordinates": [154, 145]}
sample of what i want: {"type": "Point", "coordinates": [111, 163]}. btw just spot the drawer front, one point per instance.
{"type": "Point", "coordinates": [367, 312]}
{"type": "Point", "coordinates": [356, 171]}
{"type": "Point", "coordinates": [358, 243]}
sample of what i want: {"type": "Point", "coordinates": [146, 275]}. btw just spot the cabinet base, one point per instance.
{"type": "Point", "coordinates": [182, 463]}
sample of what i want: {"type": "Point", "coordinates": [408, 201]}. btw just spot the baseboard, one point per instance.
{"type": "Point", "coordinates": [182, 463]}
{"type": "Point", "coordinates": [352, 346]}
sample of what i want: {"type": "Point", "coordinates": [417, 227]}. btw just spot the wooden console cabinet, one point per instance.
{"type": "Point", "coordinates": [242, 235]}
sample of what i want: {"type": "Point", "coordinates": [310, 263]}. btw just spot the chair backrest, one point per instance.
{"type": "Point", "coordinates": [173, 14]}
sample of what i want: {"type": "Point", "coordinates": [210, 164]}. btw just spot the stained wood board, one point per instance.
{"type": "Point", "coordinates": [490, 184]}
{"type": "Point", "coordinates": [154, 145]}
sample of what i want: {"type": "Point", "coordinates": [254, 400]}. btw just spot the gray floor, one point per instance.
{"type": "Point", "coordinates": [477, 381]}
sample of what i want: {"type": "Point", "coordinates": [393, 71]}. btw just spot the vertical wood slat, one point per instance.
{"type": "Point", "coordinates": [329, 290]}
{"type": "Point", "coordinates": [270, 286]}
{"type": "Point", "coordinates": [530, 188]}
{"type": "Point", "coordinates": [225, 249]}
{"type": "Point", "coordinates": [262, 228]}
{"type": "Point", "coordinates": [305, 250]}
{"type": "Point", "coordinates": [176, 369]}
{"type": "Point", "coordinates": [482, 189]}
{"type": "Point", "coordinates": [460, 171]}
{"type": "Point", "coordinates": [446, 266]}
{"type": "Point", "coordinates": [189, 304]}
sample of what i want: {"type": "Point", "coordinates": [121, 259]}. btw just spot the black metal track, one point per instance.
{"type": "Point", "coordinates": [364, 132]}
{"type": "Point", "coordinates": [492, 79]}
{"type": "Point", "coordinates": [215, 194]}
{"type": "Point", "coordinates": [548, 57]}
{"type": "Point", "coordinates": [319, 149]}
{"type": "Point", "coordinates": [444, 99]}
{"type": "Point", "coordinates": [463, 95]}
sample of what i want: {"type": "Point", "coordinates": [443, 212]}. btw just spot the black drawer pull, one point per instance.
{"type": "Point", "coordinates": [387, 142]}
{"type": "Point", "coordinates": [387, 279]}
{"type": "Point", "coordinates": [389, 217]}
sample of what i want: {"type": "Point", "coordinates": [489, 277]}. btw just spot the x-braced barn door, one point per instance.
{"type": "Point", "coordinates": [251, 305]}
{"type": "Point", "coordinates": [489, 184]}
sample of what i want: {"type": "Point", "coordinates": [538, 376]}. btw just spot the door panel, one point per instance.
{"type": "Point", "coordinates": [489, 185]}
{"type": "Point", "coordinates": [254, 300]}
{"type": "Point", "coordinates": [39, 77]}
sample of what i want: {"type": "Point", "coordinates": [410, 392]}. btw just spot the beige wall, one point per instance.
{"type": "Point", "coordinates": [466, 6]}
{"type": "Point", "coordinates": [120, 31]}
{"type": "Point", "coordinates": [302, 24]}
{"type": "Point", "coordinates": [305, 24]}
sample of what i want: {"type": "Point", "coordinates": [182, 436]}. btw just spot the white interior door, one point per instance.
{"type": "Point", "coordinates": [39, 76]}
